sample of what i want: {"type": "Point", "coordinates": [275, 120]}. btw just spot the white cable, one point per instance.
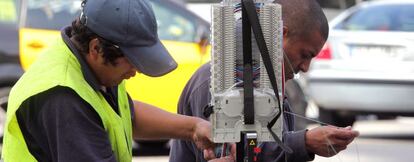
{"type": "Point", "coordinates": [330, 146]}
{"type": "Point", "coordinates": [231, 87]}
{"type": "Point", "coordinates": [295, 74]}
{"type": "Point", "coordinates": [306, 118]}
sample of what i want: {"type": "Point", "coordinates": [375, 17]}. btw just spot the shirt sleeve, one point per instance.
{"type": "Point", "coordinates": [194, 98]}
{"type": "Point", "coordinates": [58, 125]}
{"type": "Point", "coordinates": [294, 140]}
{"type": "Point", "coordinates": [182, 151]}
{"type": "Point", "coordinates": [187, 151]}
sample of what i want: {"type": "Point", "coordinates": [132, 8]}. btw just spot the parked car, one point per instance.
{"type": "Point", "coordinates": [367, 64]}
{"type": "Point", "coordinates": [185, 35]}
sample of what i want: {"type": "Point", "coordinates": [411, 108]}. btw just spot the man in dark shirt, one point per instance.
{"type": "Point", "coordinates": [304, 33]}
{"type": "Point", "coordinates": [71, 104]}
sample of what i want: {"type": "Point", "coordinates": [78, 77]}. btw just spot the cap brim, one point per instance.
{"type": "Point", "coordinates": [152, 60]}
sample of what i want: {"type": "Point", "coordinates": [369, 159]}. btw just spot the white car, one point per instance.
{"type": "Point", "coordinates": [367, 64]}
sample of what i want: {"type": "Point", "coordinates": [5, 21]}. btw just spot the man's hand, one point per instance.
{"type": "Point", "coordinates": [211, 156]}
{"type": "Point", "coordinates": [202, 135]}
{"type": "Point", "coordinates": [329, 140]}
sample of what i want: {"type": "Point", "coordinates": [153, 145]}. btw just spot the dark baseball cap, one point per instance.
{"type": "Point", "coordinates": [131, 25]}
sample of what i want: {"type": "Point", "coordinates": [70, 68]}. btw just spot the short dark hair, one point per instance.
{"type": "Point", "coordinates": [303, 16]}
{"type": "Point", "coordinates": [83, 35]}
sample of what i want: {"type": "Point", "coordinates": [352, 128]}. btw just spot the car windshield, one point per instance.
{"type": "Point", "coordinates": [56, 14]}
{"type": "Point", "coordinates": [8, 13]}
{"type": "Point", "coordinates": [173, 25]}
{"type": "Point", "coordinates": [381, 18]}
{"type": "Point", "coordinates": [51, 14]}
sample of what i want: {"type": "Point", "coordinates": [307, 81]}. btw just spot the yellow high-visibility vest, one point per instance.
{"type": "Point", "coordinates": [59, 67]}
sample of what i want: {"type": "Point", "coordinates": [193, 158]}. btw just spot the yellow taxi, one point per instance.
{"type": "Point", "coordinates": [185, 35]}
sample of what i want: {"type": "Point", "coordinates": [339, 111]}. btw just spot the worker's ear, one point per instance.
{"type": "Point", "coordinates": [94, 49]}
{"type": "Point", "coordinates": [285, 32]}
{"type": "Point", "coordinates": [285, 36]}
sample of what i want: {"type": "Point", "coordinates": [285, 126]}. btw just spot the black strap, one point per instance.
{"type": "Point", "coordinates": [249, 7]}
{"type": "Point", "coordinates": [240, 148]}
{"type": "Point", "coordinates": [208, 110]}
{"type": "Point", "coordinates": [247, 69]}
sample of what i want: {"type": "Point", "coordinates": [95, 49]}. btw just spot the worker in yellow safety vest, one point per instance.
{"type": "Point", "coordinates": [71, 104]}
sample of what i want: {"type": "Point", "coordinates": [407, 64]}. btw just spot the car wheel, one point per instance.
{"type": "Point", "coordinates": [4, 95]}
{"type": "Point", "coordinates": [298, 103]}
{"type": "Point", "coordinates": [336, 119]}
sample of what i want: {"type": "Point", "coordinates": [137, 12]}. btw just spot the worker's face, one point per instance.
{"type": "Point", "coordinates": [300, 51]}
{"type": "Point", "coordinates": [109, 74]}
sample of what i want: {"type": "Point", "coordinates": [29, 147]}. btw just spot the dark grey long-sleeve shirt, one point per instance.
{"type": "Point", "coordinates": [195, 97]}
